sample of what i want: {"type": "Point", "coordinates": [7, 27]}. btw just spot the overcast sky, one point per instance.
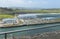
{"type": "Point", "coordinates": [30, 3]}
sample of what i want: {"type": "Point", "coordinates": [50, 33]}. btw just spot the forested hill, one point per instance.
{"type": "Point", "coordinates": [15, 10]}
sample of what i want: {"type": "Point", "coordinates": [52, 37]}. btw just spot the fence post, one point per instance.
{"type": "Point", "coordinates": [5, 35]}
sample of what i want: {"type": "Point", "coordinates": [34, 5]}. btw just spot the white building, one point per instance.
{"type": "Point", "coordinates": [27, 16]}
{"type": "Point", "coordinates": [49, 18]}
{"type": "Point", "coordinates": [10, 21]}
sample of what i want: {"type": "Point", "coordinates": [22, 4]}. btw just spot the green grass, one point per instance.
{"type": "Point", "coordinates": [6, 16]}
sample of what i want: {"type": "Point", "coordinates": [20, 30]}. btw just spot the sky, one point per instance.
{"type": "Point", "coordinates": [30, 3]}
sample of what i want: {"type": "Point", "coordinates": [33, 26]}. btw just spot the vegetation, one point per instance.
{"type": "Point", "coordinates": [5, 16]}
{"type": "Point", "coordinates": [15, 11]}
{"type": "Point", "coordinates": [10, 12]}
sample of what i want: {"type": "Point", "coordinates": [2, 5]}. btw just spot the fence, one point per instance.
{"type": "Point", "coordinates": [15, 35]}
{"type": "Point", "coordinates": [29, 32]}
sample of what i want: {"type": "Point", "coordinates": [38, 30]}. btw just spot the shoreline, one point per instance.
{"type": "Point", "coordinates": [27, 25]}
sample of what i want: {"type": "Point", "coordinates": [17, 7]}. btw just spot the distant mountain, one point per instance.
{"type": "Point", "coordinates": [25, 8]}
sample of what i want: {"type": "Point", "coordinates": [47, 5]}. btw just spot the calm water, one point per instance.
{"type": "Point", "coordinates": [31, 30]}
{"type": "Point", "coordinates": [37, 29]}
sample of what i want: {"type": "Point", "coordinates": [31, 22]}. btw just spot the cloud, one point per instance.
{"type": "Point", "coordinates": [22, 3]}
{"type": "Point", "coordinates": [11, 2]}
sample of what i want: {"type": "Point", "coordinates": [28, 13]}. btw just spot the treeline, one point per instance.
{"type": "Point", "coordinates": [13, 11]}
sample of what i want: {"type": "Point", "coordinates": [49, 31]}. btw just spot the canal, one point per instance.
{"type": "Point", "coordinates": [28, 30]}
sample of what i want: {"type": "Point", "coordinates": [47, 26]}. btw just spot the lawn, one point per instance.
{"type": "Point", "coordinates": [5, 16]}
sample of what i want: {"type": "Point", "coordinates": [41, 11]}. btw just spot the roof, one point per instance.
{"type": "Point", "coordinates": [27, 15]}
{"type": "Point", "coordinates": [9, 19]}
{"type": "Point", "coordinates": [49, 18]}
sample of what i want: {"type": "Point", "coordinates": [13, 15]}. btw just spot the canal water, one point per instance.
{"type": "Point", "coordinates": [30, 30]}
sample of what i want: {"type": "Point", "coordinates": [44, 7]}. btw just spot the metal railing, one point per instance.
{"type": "Point", "coordinates": [17, 31]}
